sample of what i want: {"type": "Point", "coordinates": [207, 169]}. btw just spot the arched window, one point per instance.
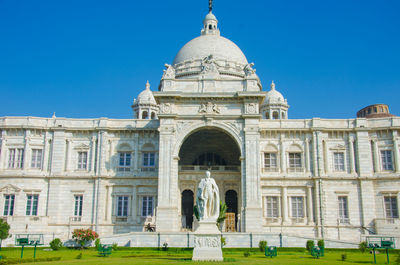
{"type": "Point", "coordinates": [267, 115]}
{"type": "Point", "coordinates": [275, 115]}
{"type": "Point", "coordinates": [145, 115]}
{"type": "Point", "coordinates": [153, 115]}
{"type": "Point", "coordinates": [210, 26]}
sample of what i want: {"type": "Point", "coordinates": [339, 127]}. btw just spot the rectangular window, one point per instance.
{"type": "Point", "coordinates": [387, 163]}
{"type": "Point", "coordinates": [338, 161]}
{"type": "Point", "coordinates": [124, 161]}
{"type": "Point", "coordinates": [147, 206]}
{"type": "Point", "coordinates": [122, 206]}
{"type": "Point", "coordinates": [32, 204]}
{"type": "Point", "coordinates": [297, 207]}
{"type": "Point", "coordinates": [82, 160]}
{"type": "Point", "coordinates": [391, 207]}
{"type": "Point", "coordinates": [343, 210]}
{"type": "Point", "coordinates": [78, 205]}
{"type": "Point", "coordinates": [9, 200]}
{"type": "Point", "coordinates": [295, 162]}
{"type": "Point", "coordinates": [16, 158]}
{"type": "Point", "coordinates": [270, 162]}
{"type": "Point", "coordinates": [149, 159]}
{"type": "Point", "coordinates": [271, 206]}
{"type": "Point", "coordinates": [36, 161]}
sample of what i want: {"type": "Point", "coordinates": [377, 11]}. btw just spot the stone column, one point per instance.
{"type": "Point", "coordinates": [285, 214]}
{"type": "Point", "coordinates": [136, 166]}
{"type": "Point", "coordinates": [376, 156]}
{"type": "Point", "coordinates": [283, 154]}
{"type": "Point", "coordinates": [68, 143]}
{"type": "Point", "coordinates": [396, 153]}
{"type": "Point", "coordinates": [134, 204]}
{"type": "Point", "coordinates": [27, 150]}
{"type": "Point", "coordinates": [364, 154]}
{"type": "Point", "coordinates": [307, 155]}
{"type": "Point", "coordinates": [93, 154]}
{"type": "Point", "coordinates": [351, 155]}
{"type": "Point", "coordinates": [3, 153]}
{"type": "Point", "coordinates": [310, 218]}
{"type": "Point", "coordinates": [326, 155]}
{"type": "Point", "coordinates": [45, 158]}
{"type": "Point", "coordinates": [108, 204]}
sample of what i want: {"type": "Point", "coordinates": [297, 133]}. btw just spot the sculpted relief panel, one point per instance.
{"type": "Point", "coordinates": [207, 242]}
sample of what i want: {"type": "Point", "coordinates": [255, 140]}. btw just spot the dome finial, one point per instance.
{"type": "Point", "coordinates": [272, 85]}
{"type": "Point", "coordinates": [147, 85]}
{"type": "Point", "coordinates": [210, 6]}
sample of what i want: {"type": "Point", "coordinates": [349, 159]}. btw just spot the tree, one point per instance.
{"type": "Point", "coordinates": [222, 213]}
{"type": "Point", "coordinates": [4, 229]}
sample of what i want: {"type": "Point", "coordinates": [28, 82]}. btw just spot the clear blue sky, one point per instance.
{"type": "Point", "coordinates": [88, 59]}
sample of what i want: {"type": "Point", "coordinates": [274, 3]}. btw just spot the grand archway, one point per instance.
{"type": "Point", "coordinates": [208, 149]}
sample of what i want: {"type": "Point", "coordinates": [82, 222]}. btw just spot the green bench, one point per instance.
{"type": "Point", "coordinates": [104, 250]}
{"type": "Point", "coordinates": [271, 251]}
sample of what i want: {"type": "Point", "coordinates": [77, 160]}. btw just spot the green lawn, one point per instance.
{"type": "Point", "coordinates": [183, 256]}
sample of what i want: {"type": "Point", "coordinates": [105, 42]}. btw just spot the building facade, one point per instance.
{"type": "Point", "coordinates": [320, 178]}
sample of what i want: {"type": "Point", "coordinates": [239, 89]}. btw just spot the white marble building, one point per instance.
{"type": "Point", "coordinates": [316, 178]}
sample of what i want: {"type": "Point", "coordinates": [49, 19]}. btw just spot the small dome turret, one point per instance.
{"type": "Point", "coordinates": [145, 106]}
{"type": "Point", "coordinates": [275, 105]}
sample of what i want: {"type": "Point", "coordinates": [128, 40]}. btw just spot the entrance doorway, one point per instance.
{"type": "Point", "coordinates": [231, 200]}
{"type": "Point", "coordinates": [187, 209]}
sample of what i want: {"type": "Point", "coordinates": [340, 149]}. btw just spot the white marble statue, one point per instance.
{"type": "Point", "coordinates": [208, 199]}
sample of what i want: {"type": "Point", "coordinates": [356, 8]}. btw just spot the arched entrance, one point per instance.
{"type": "Point", "coordinates": [187, 209]}
{"type": "Point", "coordinates": [231, 200]}
{"type": "Point", "coordinates": [213, 149]}
{"type": "Point", "coordinates": [209, 147]}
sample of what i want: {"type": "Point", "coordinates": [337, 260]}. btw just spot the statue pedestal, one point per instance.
{"type": "Point", "coordinates": [207, 242]}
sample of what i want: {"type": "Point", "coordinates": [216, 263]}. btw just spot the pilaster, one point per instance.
{"type": "Point", "coordinates": [3, 150]}
{"type": "Point", "coordinates": [253, 209]}
{"type": "Point", "coordinates": [168, 192]}
{"type": "Point", "coordinates": [396, 153]}
{"type": "Point", "coordinates": [27, 151]}
{"type": "Point", "coordinates": [364, 155]}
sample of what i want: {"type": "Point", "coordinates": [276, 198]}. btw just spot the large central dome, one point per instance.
{"type": "Point", "coordinates": [210, 43]}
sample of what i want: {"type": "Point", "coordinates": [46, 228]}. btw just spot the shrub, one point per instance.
{"type": "Point", "coordinates": [321, 243]}
{"type": "Point", "coordinates": [246, 254]}
{"type": "Point", "coordinates": [363, 246]}
{"type": "Point", "coordinates": [309, 244]}
{"type": "Point", "coordinates": [223, 241]}
{"type": "Point", "coordinates": [165, 246]}
{"type": "Point", "coordinates": [262, 245]}
{"type": "Point", "coordinates": [114, 246]}
{"type": "Point", "coordinates": [343, 256]}
{"type": "Point", "coordinates": [97, 243]}
{"type": "Point", "coordinates": [79, 256]}
{"type": "Point", "coordinates": [82, 236]}
{"type": "Point", "coordinates": [4, 229]}
{"type": "Point", "coordinates": [56, 244]}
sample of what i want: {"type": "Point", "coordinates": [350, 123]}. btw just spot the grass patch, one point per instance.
{"type": "Point", "coordinates": [153, 256]}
